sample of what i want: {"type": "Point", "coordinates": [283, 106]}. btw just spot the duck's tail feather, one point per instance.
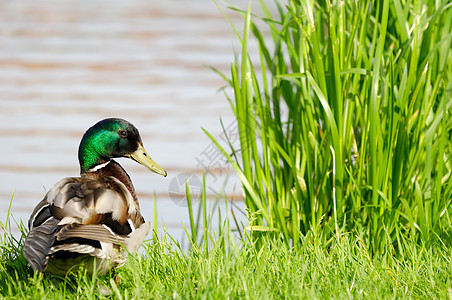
{"type": "Point", "coordinates": [38, 242]}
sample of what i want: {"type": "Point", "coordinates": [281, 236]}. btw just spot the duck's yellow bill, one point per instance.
{"type": "Point", "coordinates": [142, 157]}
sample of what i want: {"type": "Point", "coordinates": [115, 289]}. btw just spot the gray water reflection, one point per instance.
{"type": "Point", "coordinates": [64, 65]}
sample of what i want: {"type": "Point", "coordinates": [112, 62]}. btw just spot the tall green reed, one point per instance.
{"type": "Point", "coordinates": [347, 127]}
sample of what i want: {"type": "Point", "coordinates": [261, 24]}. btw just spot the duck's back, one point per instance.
{"type": "Point", "coordinates": [81, 218]}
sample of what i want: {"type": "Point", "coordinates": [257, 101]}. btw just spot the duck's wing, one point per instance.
{"type": "Point", "coordinates": [81, 216]}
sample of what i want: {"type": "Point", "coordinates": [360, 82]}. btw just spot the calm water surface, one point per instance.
{"type": "Point", "coordinates": [64, 65]}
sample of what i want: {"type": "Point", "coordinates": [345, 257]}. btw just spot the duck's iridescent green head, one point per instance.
{"type": "Point", "coordinates": [112, 138]}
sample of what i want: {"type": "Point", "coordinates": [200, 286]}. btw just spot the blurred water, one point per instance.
{"type": "Point", "coordinates": [64, 65]}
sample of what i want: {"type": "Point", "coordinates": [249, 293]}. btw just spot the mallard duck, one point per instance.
{"type": "Point", "coordinates": [92, 220]}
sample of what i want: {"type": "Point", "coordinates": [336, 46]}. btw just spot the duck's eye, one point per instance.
{"type": "Point", "coordinates": [123, 133]}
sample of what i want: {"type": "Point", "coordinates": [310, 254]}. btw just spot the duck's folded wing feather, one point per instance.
{"type": "Point", "coordinates": [99, 233]}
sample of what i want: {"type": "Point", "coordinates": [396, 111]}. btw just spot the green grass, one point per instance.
{"type": "Point", "coordinates": [320, 269]}
{"type": "Point", "coordinates": [234, 268]}
{"type": "Point", "coordinates": [348, 128]}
